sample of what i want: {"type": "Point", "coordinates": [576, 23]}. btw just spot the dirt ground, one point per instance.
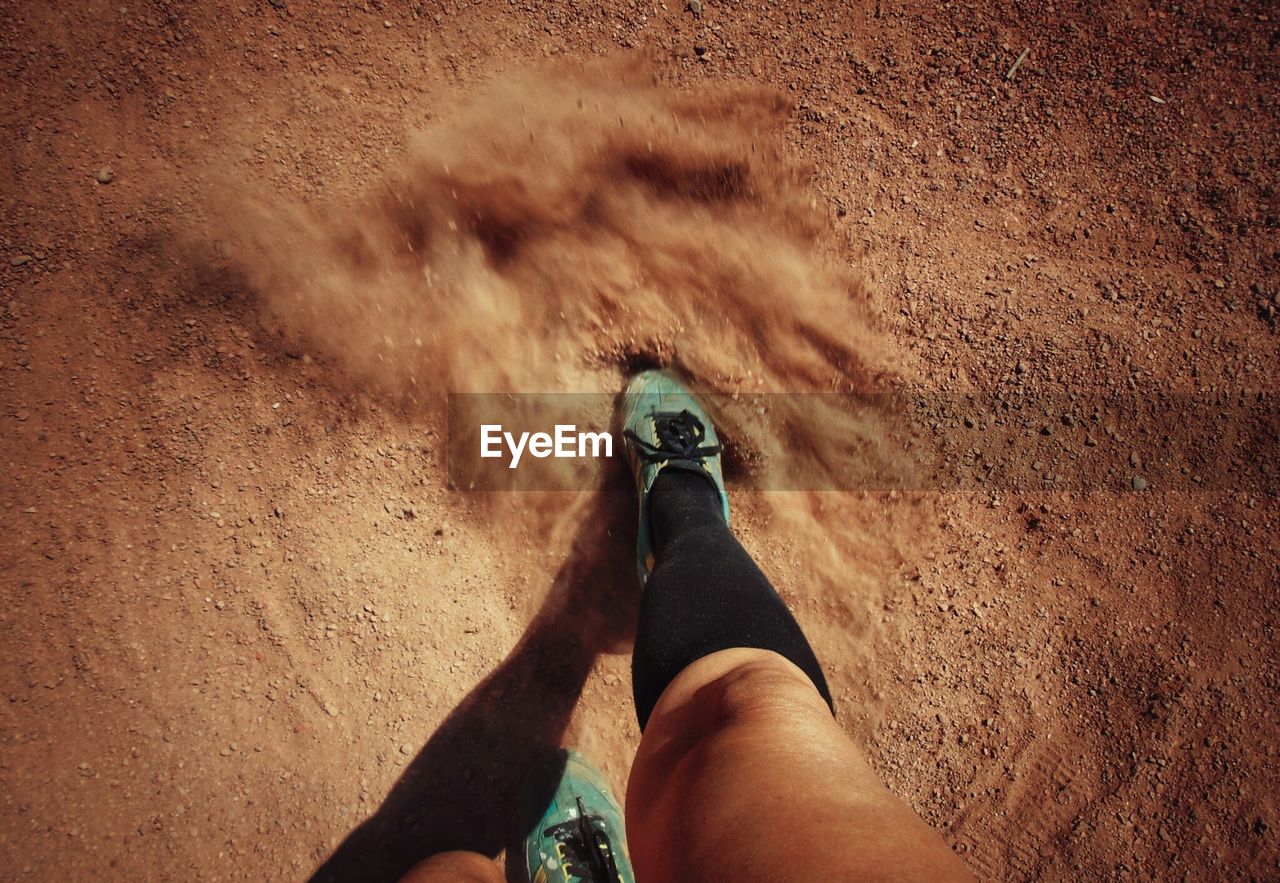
{"type": "Point", "coordinates": [249, 624]}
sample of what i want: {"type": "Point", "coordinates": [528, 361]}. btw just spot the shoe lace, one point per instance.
{"type": "Point", "coordinates": [680, 437]}
{"type": "Point", "coordinates": [586, 848]}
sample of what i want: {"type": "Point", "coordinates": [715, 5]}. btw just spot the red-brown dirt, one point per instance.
{"type": "Point", "coordinates": [248, 623]}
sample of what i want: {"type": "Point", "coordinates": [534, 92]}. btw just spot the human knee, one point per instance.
{"type": "Point", "coordinates": [737, 686]}
{"type": "Point", "coordinates": [738, 711]}
{"type": "Point", "coordinates": [765, 686]}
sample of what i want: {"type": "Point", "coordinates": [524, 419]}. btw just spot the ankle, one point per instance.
{"type": "Point", "coordinates": [682, 500]}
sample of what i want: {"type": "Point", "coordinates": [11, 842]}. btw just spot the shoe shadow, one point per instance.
{"type": "Point", "coordinates": [465, 788]}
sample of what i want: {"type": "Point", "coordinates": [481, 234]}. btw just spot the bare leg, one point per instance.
{"type": "Point", "coordinates": [455, 867]}
{"type": "Point", "coordinates": [742, 774]}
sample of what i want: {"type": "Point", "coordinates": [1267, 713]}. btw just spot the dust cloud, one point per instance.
{"type": "Point", "coordinates": [559, 223]}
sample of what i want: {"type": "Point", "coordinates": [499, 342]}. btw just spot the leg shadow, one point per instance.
{"type": "Point", "coordinates": [465, 787]}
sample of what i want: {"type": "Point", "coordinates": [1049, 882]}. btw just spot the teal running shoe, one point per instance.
{"type": "Point", "coordinates": [578, 836]}
{"type": "Point", "coordinates": [665, 428]}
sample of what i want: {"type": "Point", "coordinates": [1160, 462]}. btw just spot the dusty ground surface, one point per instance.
{"type": "Point", "coordinates": [244, 613]}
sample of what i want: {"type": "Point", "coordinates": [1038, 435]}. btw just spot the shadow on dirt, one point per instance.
{"type": "Point", "coordinates": [465, 788]}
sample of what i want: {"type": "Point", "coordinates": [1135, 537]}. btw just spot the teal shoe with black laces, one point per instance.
{"type": "Point", "coordinates": [664, 427]}
{"type": "Point", "coordinates": [577, 834]}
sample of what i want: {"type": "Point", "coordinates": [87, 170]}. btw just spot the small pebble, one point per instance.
{"type": "Point", "coordinates": [105, 175]}
{"type": "Point", "coordinates": [1139, 483]}
{"type": "Point", "coordinates": [695, 6]}
{"type": "Point", "coordinates": [19, 259]}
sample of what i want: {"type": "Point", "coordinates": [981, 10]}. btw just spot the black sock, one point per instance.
{"type": "Point", "coordinates": [705, 594]}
